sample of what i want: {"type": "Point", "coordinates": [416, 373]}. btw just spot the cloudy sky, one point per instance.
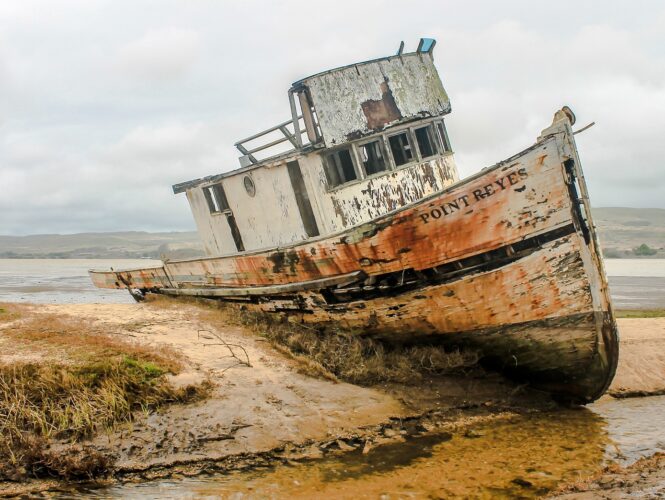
{"type": "Point", "coordinates": [105, 104]}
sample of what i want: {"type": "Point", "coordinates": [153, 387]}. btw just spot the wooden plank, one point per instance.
{"type": "Point", "coordinates": [146, 278]}
{"type": "Point", "coordinates": [535, 314]}
{"type": "Point", "coordinates": [523, 196]}
{"type": "Point", "coordinates": [267, 290]}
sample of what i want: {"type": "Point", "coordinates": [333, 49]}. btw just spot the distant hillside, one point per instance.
{"type": "Point", "coordinates": [130, 244]}
{"type": "Point", "coordinates": [621, 230]}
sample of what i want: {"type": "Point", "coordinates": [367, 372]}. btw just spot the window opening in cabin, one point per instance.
{"type": "Point", "coordinates": [218, 203]}
{"type": "Point", "coordinates": [400, 145]}
{"type": "Point", "coordinates": [339, 167]}
{"type": "Point", "coordinates": [210, 200]}
{"type": "Point", "coordinates": [216, 198]}
{"type": "Point", "coordinates": [427, 142]}
{"type": "Point", "coordinates": [373, 157]}
{"type": "Point", "coordinates": [443, 134]}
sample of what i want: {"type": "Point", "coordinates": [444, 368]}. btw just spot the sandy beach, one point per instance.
{"type": "Point", "coordinates": [641, 370]}
{"type": "Point", "coordinates": [264, 409]}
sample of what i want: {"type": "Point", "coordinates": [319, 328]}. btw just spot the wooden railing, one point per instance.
{"type": "Point", "coordinates": [292, 136]}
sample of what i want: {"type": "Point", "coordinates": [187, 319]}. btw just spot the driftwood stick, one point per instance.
{"type": "Point", "coordinates": [229, 346]}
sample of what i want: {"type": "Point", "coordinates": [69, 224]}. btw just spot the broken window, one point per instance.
{"type": "Point", "coordinates": [217, 203]}
{"type": "Point", "coordinates": [216, 198]}
{"type": "Point", "coordinates": [339, 167]}
{"type": "Point", "coordinates": [400, 146]}
{"type": "Point", "coordinates": [443, 134]}
{"type": "Point", "coordinates": [373, 157]}
{"type": "Point", "coordinates": [427, 141]}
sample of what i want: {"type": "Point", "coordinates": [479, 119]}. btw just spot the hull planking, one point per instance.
{"type": "Point", "coordinates": [505, 261]}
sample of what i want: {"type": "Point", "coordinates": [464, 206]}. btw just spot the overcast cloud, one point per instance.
{"type": "Point", "coordinates": [105, 104]}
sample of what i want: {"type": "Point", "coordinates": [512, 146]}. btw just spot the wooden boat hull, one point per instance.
{"type": "Point", "coordinates": [506, 261]}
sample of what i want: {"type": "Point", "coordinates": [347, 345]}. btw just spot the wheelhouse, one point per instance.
{"type": "Point", "coordinates": [363, 140]}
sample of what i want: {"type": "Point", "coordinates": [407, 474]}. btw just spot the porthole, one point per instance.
{"type": "Point", "coordinates": [249, 186]}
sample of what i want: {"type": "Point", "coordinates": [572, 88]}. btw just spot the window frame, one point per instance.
{"type": "Point", "coordinates": [384, 151]}
{"type": "Point", "coordinates": [414, 152]}
{"type": "Point", "coordinates": [215, 195]}
{"type": "Point", "coordinates": [354, 163]}
{"type": "Point", "coordinates": [384, 138]}
{"type": "Point", "coordinates": [432, 136]}
{"type": "Point", "coordinates": [442, 132]}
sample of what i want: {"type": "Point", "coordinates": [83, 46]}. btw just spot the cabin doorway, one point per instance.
{"type": "Point", "coordinates": [219, 204]}
{"type": "Point", "coordinates": [302, 199]}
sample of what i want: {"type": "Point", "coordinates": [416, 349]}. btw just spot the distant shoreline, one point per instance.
{"type": "Point", "coordinates": [624, 233]}
{"type": "Point", "coordinates": [77, 256]}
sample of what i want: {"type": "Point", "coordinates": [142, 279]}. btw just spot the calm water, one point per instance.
{"type": "Point", "coordinates": [637, 283]}
{"type": "Point", "coordinates": [654, 268]}
{"type": "Point", "coordinates": [63, 281]}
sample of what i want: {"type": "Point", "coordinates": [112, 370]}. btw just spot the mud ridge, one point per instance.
{"type": "Point", "coordinates": [396, 429]}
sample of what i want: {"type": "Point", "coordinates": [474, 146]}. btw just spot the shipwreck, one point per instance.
{"type": "Point", "coordinates": [352, 213]}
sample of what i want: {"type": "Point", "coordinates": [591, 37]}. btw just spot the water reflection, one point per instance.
{"type": "Point", "coordinates": [636, 426]}
{"type": "Point", "coordinates": [526, 456]}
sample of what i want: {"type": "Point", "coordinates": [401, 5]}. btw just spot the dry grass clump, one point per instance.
{"type": "Point", "coordinates": [362, 360]}
{"type": "Point", "coordinates": [88, 381]}
{"type": "Point", "coordinates": [36, 459]}
{"type": "Point", "coordinates": [69, 402]}
{"type": "Point", "coordinates": [10, 312]}
{"type": "Point", "coordinates": [336, 353]}
{"type": "Point", "coordinates": [77, 340]}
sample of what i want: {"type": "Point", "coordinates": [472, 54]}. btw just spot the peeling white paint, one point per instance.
{"type": "Point", "coordinates": [350, 103]}
{"type": "Point", "coordinates": [338, 95]}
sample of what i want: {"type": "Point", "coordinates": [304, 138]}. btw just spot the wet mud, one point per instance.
{"type": "Point", "coordinates": [605, 449]}
{"type": "Point", "coordinates": [268, 430]}
{"type": "Point", "coordinates": [510, 455]}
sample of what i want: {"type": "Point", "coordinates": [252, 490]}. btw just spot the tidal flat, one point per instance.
{"type": "Point", "coordinates": [277, 423]}
{"type": "Point", "coordinates": [267, 422]}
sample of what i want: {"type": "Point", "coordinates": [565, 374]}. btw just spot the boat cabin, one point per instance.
{"type": "Point", "coordinates": [363, 140]}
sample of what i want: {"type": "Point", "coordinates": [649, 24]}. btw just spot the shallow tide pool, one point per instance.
{"type": "Point", "coordinates": [524, 457]}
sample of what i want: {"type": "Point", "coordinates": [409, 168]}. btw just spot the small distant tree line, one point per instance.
{"type": "Point", "coordinates": [643, 250]}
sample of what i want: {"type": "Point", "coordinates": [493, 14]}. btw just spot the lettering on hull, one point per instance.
{"type": "Point", "coordinates": [467, 200]}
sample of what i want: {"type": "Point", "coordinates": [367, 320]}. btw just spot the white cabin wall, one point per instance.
{"type": "Point", "coordinates": [213, 229]}
{"type": "Point", "coordinates": [270, 218]}
{"type": "Point", "coordinates": [364, 200]}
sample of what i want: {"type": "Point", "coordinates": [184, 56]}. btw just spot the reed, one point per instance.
{"type": "Point", "coordinates": [85, 382]}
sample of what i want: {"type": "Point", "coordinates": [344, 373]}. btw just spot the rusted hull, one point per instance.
{"type": "Point", "coordinates": [141, 279]}
{"type": "Point", "coordinates": [505, 261]}
{"type": "Point", "coordinates": [534, 317]}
